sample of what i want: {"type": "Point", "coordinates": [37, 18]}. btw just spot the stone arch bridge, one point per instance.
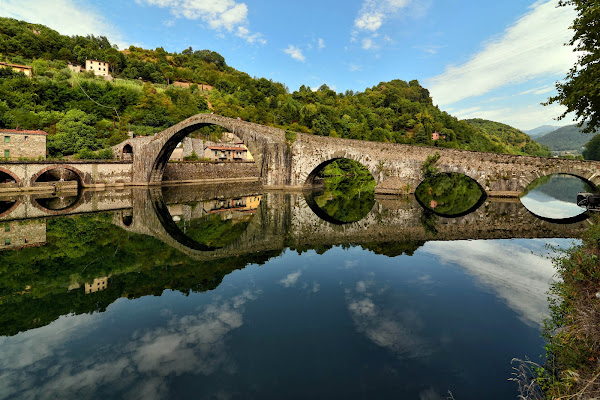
{"type": "Point", "coordinates": [292, 159]}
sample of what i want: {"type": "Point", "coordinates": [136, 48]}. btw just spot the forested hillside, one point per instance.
{"type": "Point", "coordinates": [541, 130]}
{"type": "Point", "coordinates": [516, 141]}
{"type": "Point", "coordinates": [78, 110]}
{"type": "Point", "coordinates": [566, 138]}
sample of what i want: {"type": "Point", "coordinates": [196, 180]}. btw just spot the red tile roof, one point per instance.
{"type": "Point", "coordinates": [227, 148]}
{"type": "Point", "coordinates": [23, 131]}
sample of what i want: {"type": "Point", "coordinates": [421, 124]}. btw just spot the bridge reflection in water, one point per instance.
{"type": "Point", "coordinates": [138, 242]}
{"type": "Point", "coordinates": [275, 220]}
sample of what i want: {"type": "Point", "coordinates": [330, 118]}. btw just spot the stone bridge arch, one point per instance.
{"type": "Point", "coordinates": [588, 175]}
{"type": "Point", "coordinates": [266, 144]}
{"type": "Point", "coordinates": [482, 180]}
{"type": "Point", "coordinates": [313, 168]}
{"type": "Point", "coordinates": [81, 177]}
{"type": "Point", "coordinates": [11, 174]}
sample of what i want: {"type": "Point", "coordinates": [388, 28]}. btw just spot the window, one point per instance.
{"type": "Point", "coordinates": [6, 241]}
{"type": "Point", "coordinates": [6, 228]}
{"type": "Point", "coordinates": [6, 139]}
{"type": "Point", "coordinates": [26, 137]}
{"type": "Point", "coordinates": [7, 153]}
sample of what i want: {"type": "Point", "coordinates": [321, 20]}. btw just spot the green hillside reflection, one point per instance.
{"type": "Point", "coordinates": [449, 194]}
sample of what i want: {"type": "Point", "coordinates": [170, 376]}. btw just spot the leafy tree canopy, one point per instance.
{"type": "Point", "coordinates": [580, 92]}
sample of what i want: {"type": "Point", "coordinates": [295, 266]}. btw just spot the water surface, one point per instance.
{"type": "Point", "coordinates": [399, 304]}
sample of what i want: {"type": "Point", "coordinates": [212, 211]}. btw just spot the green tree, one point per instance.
{"type": "Point", "coordinates": [580, 92]}
{"type": "Point", "coordinates": [592, 149]}
{"type": "Point", "coordinates": [74, 132]}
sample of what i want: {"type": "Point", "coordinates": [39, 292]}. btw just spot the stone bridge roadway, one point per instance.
{"type": "Point", "coordinates": [285, 220]}
{"type": "Point", "coordinates": [293, 161]}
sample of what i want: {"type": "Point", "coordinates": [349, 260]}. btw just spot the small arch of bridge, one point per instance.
{"type": "Point", "coordinates": [587, 176]}
{"type": "Point", "coordinates": [11, 174]}
{"type": "Point", "coordinates": [325, 161]}
{"type": "Point", "coordinates": [80, 175]}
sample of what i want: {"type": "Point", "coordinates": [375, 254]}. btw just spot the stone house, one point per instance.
{"type": "Point", "coordinates": [100, 68]}
{"type": "Point", "coordinates": [17, 234]}
{"type": "Point", "coordinates": [226, 153]}
{"type": "Point", "coordinates": [21, 143]}
{"type": "Point", "coordinates": [28, 71]}
{"type": "Point", "coordinates": [97, 285]}
{"type": "Point", "coordinates": [74, 67]}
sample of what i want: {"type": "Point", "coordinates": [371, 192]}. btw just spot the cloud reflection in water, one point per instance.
{"type": "Point", "coordinates": [141, 367]}
{"type": "Point", "coordinates": [520, 275]}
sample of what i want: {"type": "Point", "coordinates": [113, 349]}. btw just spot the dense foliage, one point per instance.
{"type": "Point", "coordinates": [396, 111]}
{"type": "Point", "coordinates": [573, 331]}
{"type": "Point", "coordinates": [592, 149]}
{"type": "Point", "coordinates": [516, 141]}
{"type": "Point", "coordinates": [580, 91]}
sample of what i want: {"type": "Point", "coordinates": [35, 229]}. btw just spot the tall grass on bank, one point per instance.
{"type": "Point", "coordinates": [572, 368]}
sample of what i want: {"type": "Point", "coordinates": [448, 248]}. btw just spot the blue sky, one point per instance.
{"type": "Point", "coordinates": [493, 60]}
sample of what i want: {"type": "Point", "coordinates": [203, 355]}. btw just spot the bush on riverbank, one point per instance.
{"type": "Point", "coordinates": [572, 370]}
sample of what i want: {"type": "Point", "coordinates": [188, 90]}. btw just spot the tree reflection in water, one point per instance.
{"type": "Point", "coordinates": [348, 192]}
{"type": "Point", "coordinates": [450, 194]}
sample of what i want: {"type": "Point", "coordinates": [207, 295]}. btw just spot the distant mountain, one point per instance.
{"type": "Point", "coordinates": [566, 138]}
{"type": "Point", "coordinates": [515, 140]}
{"type": "Point", "coordinates": [541, 130]}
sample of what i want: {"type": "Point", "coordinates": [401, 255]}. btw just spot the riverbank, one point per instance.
{"type": "Point", "coordinates": [572, 370]}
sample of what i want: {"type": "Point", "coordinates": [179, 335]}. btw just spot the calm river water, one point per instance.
{"type": "Point", "coordinates": [232, 292]}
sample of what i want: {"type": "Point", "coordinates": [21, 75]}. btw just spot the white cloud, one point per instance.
{"type": "Point", "coordinates": [295, 53]}
{"type": "Point", "coordinates": [244, 33]}
{"type": "Point", "coordinates": [532, 47]}
{"type": "Point", "coordinates": [369, 22]}
{"type": "Point", "coordinates": [219, 15]}
{"type": "Point", "coordinates": [291, 279]}
{"type": "Point", "coordinates": [367, 44]}
{"type": "Point", "coordinates": [373, 13]}
{"type": "Point", "coordinates": [321, 43]}
{"type": "Point", "coordinates": [522, 117]}
{"type": "Point", "coordinates": [354, 67]}
{"type": "Point", "coordinates": [68, 17]}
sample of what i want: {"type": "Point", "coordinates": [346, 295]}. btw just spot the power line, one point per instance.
{"type": "Point", "coordinates": [88, 96]}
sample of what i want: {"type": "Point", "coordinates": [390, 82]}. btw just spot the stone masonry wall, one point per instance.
{"type": "Point", "coordinates": [206, 171]}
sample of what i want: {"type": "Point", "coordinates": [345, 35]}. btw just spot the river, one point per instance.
{"type": "Point", "coordinates": [234, 292]}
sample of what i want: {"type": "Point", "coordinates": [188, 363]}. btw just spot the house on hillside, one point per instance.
{"type": "Point", "coordinates": [74, 67]}
{"type": "Point", "coordinates": [226, 153]}
{"type": "Point", "coordinates": [22, 143]}
{"type": "Point", "coordinates": [100, 68]}
{"type": "Point", "coordinates": [28, 71]}
{"type": "Point", "coordinates": [437, 136]}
